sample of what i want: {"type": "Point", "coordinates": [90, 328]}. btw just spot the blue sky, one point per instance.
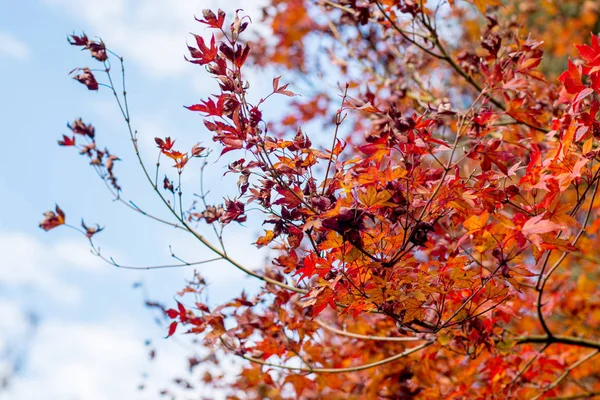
{"type": "Point", "coordinates": [90, 340]}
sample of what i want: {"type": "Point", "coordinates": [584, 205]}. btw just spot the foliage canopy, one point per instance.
{"type": "Point", "coordinates": [438, 238]}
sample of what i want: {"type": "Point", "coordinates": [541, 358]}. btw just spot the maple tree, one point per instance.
{"type": "Point", "coordinates": [438, 238]}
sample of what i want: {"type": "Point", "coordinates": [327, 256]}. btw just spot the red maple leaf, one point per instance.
{"type": "Point", "coordinates": [86, 78]}
{"type": "Point", "coordinates": [90, 230]}
{"type": "Point", "coordinates": [591, 55]}
{"type": "Point", "coordinates": [209, 107]}
{"type": "Point", "coordinates": [80, 128]}
{"type": "Point", "coordinates": [164, 145]}
{"type": "Point", "coordinates": [78, 40]}
{"type": "Point", "coordinates": [203, 54]}
{"type": "Point", "coordinates": [211, 19]}
{"type": "Point", "coordinates": [172, 328]}
{"type": "Point", "coordinates": [310, 263]}
{"type": "Point", "coordinates": [52, 219]}
{"type": "Point", "coordinates": [571, 79]}
{"type": "Point", "coordinates": [67, 141]}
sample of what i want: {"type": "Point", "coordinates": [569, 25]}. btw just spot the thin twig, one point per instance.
{"type": "Point", "coordinates": [182, 221]}
{"type": "Point", "coordinates": [368, 337]}
{"type": "Point", "coordinates": [335, 370]}
{"type": "Point", "coordinates": [566, 373]}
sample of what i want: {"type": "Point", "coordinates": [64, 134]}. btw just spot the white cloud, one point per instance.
{"type": "Point", "coordinates": [152, 33]}
{"type": "Point", "coordinates": [70, 360]}
{"type": "Point", "coordinates": [27, 262]}
{"type": "Point", "coordinates": [11, 317]}
{"type": "Point", "coordinates": [12, 47]}
{"type": "Point", "coordinates": [65, 357]}
{"type": "Point", "coordinates": [16, 331]}
{"type": "Point", "coordinates": [95, 361]}
{"type": "Point", "coordinates": [13, 320]}
{"type": "Point", "coordinates": [97, 358]}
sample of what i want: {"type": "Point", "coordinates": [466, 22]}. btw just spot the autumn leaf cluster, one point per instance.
{"type": "Point", "coordinates": [436, 237]}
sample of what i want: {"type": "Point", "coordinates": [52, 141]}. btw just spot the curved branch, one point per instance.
{"type": "Point", "coordinates": [570, 340]}
{"type": "Point", "coordinates": [369, 337]}
{"type": "Point", "coordinates": [464, 304]}
{"type": "Point", "coordinates": [566, 373]}
{"type": "Point", "coordinates": [123, 107]}
{"type": "Point", "coordinates": [112, 262]}
{"type": "Point", "coordinates": [543, 279]}
{"type": "Point", "coordinates": [526, 366]}
{"type": "Point", "coordinates": [587, 395]}
{"type": "Point", "coordinates": [337, 370]}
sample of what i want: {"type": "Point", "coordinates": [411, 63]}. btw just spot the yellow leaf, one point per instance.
{"type": "Point", "coordinates": [485, 242]}
{"type": "Point", "coordinates": [266, 239]}
{"type": "Point", "coordinates": [444, 339]}
{"type": "Point", "coordinates": [459, 274]}
{"type": "Point", "coordinates": [476, 222]}
{"type": "Point", "coordinates": [495, 291]}
{"type": "Point", "coordinates": [353, 255]}
{"type": "Point", "coordinates": [568, 137]}
{"type": "Point", "coordinates": [505, 345]}
{"type": "Point", "coordinates": [372, 198]}
{"type": "Point", "coordinates": [482, 4]}
{"type": "Point", "coordinates": [587, 146]}
{"type": "Point", "coordinates": [334, 241]}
